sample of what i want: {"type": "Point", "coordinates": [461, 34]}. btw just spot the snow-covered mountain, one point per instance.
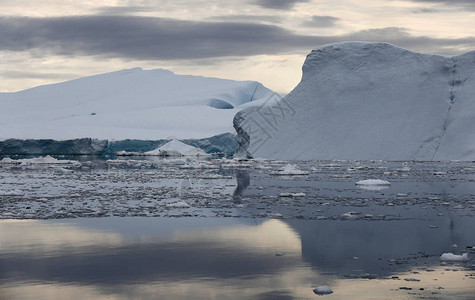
{"type": "Point", "coordinates": [361, 100]}
{"type": "Point", "coordinates": [129, 104]}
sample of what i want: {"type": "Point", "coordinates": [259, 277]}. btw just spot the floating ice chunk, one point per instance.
{"type": "Point", "coordinates": [323, 290]}
{"type": "Point", "coordinates": [290, 170]}
{"type": "Point", "coordinates": [11, 193]}
{"type": "Point", "coordinates": [350, 215]}
{"type": "Point", "coordinates": [454, 257]}
{"type": "Point", "coordinates": [8, 160]}
{"type": "Point", "coordinates": [292, 195]}
{"type": "Point", "coordinates": [179, 204]}
{"type": "Point", "coordinates": [373, 187]}
{"type": "Point", "coordinates": [46, 160]}
{"type": "Point", "coordinates": [63, 171]}
{"type": "Point", "coordinates": [373, 182]}
{"type": "Point", "coordinates": [412, 279]}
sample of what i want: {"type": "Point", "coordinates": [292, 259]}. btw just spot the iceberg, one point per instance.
{"type": "Point", "coordinates": [126, 108]}
{"type": "Point", "coordinates": [364, 101]}
{"type": "Point", "coordinates": [176, 148]}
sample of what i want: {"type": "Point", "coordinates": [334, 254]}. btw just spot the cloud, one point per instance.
{"type": "Point", "coordinates": [278, 4]}
{"type": "Point", "coordinates": [464, 3]}
{"type": "Point", "coordinates": [35, 75]}
{"type": "Point", "coordinates": [146, 38]}
{"type": "Point", "coordinates": [321, 21]}
{"type": "Point", "coordinates": [247, 18]}
{"type": "Point", "coordinates": [123, 10]}
{"type": "Point", "coordinates": [425, 11]}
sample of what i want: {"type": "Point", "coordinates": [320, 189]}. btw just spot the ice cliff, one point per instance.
{"type": "Point", "coordinates": [360, 100]}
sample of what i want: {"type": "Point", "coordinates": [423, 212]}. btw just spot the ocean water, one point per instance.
{"type": "Point", "coordinates": [226, 229]}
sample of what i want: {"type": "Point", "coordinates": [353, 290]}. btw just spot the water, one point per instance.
{"type": "Point", "coordinates": [221, 229]}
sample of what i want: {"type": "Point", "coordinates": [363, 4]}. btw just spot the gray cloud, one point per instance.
{"type": "Point", "coordinates": [321, 21]}
{"type": "Point", "coordinates": [35, 75]}
{"type": "Point", "coordinates": [464, 3]}
{"type": "Point", "coordinates": [145, 38]}
{"type": "Point", "coordinates": [278, 4]}
{"type": "Point", "coordinates": [425, 11]}
{"type": "Point", "coordinates": [246, 18]}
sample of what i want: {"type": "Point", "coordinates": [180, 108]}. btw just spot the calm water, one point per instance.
{"type": "Point", "coordinates": [180, 229]}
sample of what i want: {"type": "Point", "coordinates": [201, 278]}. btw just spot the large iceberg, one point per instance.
{"type": "Point", "coordinates": [360, 100]}
{"type": "Point", "coordinates": [128, 110]}
{"type": "Point", "coordinates": [129, 104]}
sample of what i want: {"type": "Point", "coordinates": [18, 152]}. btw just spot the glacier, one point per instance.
{"type": "Point", "coordinates": [126, 110]}
{"type": "Point", "coordinates": [368, 101]}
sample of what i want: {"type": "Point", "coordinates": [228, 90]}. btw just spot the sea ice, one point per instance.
{"type": "Point", "coordinates": [454, 257]}
{"type": "Point", "coordinates": [373, 182]}
{"type": "Point", "coordinates": [290, 170]}
{"type": "Point", "coordinates": [323, 290]}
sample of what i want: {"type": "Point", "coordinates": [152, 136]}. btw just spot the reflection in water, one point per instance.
{"type": "Point", "coordinates": [243, 181]}
{"type": "Point", "coordinates": [221, 259]}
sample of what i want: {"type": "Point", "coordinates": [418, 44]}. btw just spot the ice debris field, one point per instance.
{"type": "Point", "coordinates": [47, 187]}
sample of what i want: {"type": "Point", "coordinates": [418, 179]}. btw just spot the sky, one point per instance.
{"type": "Point", "coordinates": [49, 41]}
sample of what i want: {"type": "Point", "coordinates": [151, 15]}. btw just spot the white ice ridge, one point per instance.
{"type": "Point", "coordinates": [359, 100]}
{"type": "Point", "coordinates": [128, 104]}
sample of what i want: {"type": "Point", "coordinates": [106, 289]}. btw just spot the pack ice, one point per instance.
{"type": "Point", "coordinates": [360, 100]}
{"type": "Point", "coordinates": [129, 104]}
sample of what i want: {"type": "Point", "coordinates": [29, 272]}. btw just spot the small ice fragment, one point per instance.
{"type": "Point", "coordinates": [323, 290]}
{"type": "Point", "coordinates": [373, 182]}
{"type": "Point", "coordinates": [412, 279]}
{"type": "Point", "coordinates": [290, 170]}
{"type": "Point", "coordinates": [454, 257]}
{"type": "Point", "coordinates": [63, 171]}
{"type": "Point", "coordinates": [180, 204]}
{"type": "Point", "coordinates": [292, 195]}
{"type": "Point", "coordinates": [11, 193]}
{"type": "Point", "coordinates": [350, 215]}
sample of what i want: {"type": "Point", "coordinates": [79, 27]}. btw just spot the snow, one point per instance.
{"type": "Point", "coordinates": [322, 290]}
{"type": "Point", "coordinates": [176, 148]}
{"type": "Point", "coordinates": [373, 182]}
{"type": "Point", "coordinates": [367, 101]}
{"type": "Point", "coordinates": [454, 257]}
{"type": "Point", "coordinates": [128, 104]}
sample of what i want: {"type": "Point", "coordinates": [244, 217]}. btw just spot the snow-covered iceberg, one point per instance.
{"type": "Point", "coordinates": [129, 104]}
{"type": "Point", "coordinates": [360, 100]}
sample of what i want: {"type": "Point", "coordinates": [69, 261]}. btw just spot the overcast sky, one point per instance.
{"type": "Point", "coordinates": [264, 40]}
